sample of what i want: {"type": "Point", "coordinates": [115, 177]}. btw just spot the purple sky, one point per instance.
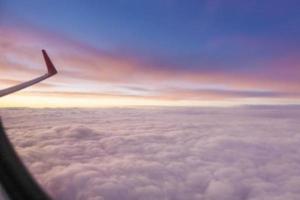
{"type": "Point", "coordinates": [155, 51]}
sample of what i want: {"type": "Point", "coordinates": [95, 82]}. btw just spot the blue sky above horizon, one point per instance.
{"type": "Point", "coordinates": [238, 46]}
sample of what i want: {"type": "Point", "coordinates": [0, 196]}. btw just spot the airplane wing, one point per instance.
{"type": "Point", "coordinates": [15, 180]}
{"type": "Point", "coordinates": [51, 71]}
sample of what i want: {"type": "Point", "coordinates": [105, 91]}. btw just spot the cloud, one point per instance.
{"type": "Point", "coordinates": [161, 153]}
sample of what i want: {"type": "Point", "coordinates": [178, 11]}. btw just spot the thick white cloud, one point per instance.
{"type": "Point", "coordinates": [152, 154]}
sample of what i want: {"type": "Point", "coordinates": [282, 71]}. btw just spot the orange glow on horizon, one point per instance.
{"type": "Point", "coordinates": [51, 101]}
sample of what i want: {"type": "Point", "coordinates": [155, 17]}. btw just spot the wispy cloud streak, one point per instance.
{"type": "Point", "coordinates": [83, 69]}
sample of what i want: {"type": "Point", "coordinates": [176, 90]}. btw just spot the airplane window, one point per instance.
{"type": "Point", "coordinates": [3, 195]}
{"type": "Point", "coordinates": [142, 100]}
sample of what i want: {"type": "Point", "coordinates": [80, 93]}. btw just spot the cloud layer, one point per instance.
{"type": "Point", "coordinates": [155, 153]}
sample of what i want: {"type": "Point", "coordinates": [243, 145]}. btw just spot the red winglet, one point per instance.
{"type": "Point", "coordinates": [50, 66]}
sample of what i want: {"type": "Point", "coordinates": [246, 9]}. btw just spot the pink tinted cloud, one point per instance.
{"type": "Point", "coordinates": [112, 154]}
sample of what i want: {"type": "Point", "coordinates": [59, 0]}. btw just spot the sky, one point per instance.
{"type": "Point", "coordinates": [159, 53]}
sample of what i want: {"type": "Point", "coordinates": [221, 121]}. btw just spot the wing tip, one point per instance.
{"type": "Point", "coordinates": [50, 67]}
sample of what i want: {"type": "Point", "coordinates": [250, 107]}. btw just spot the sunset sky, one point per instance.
{"type": "Point", "coordinates": [158, 52]}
